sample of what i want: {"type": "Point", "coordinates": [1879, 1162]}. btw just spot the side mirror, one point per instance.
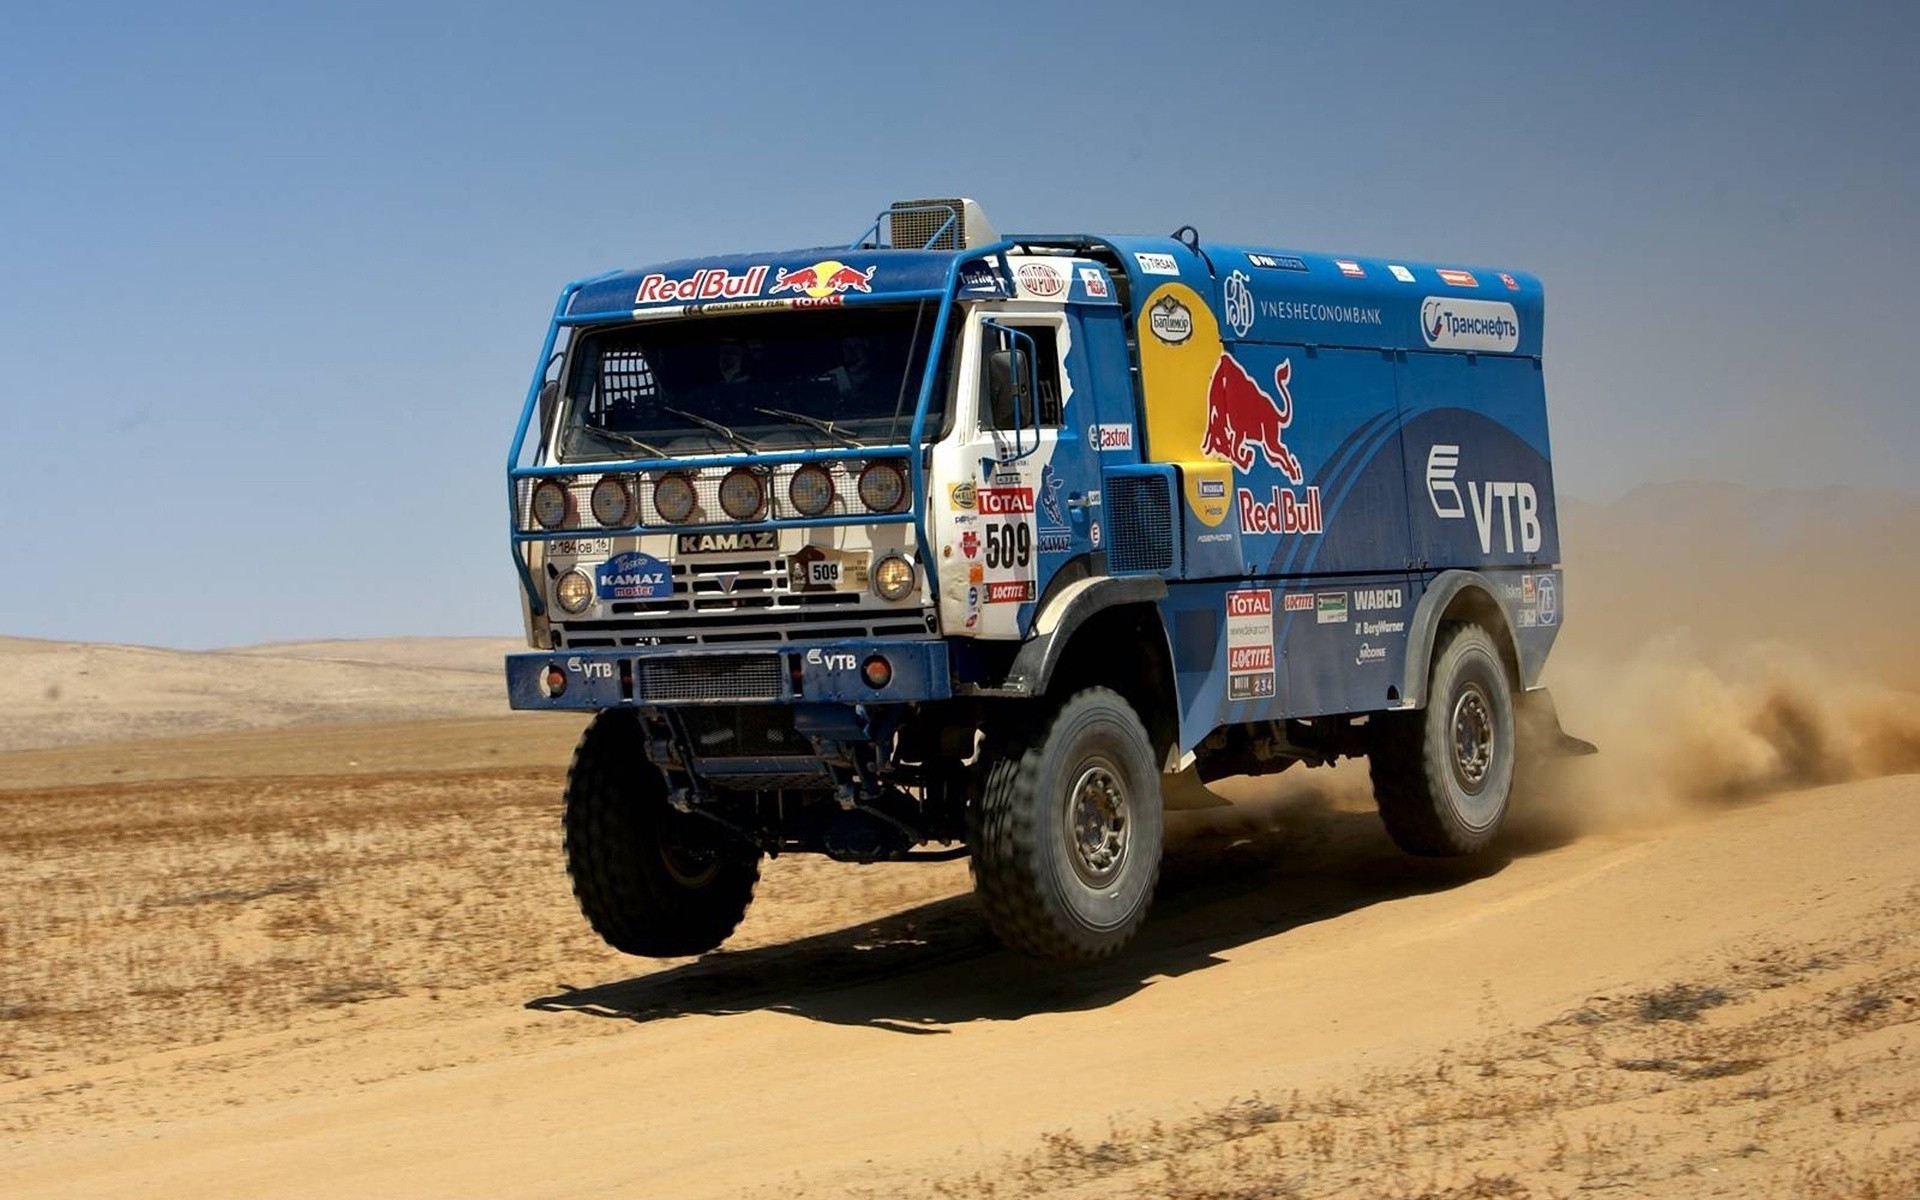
{"type": "Point", "coordinates": [549, 402]}
{"type": "Point", "coordinates": [1011, 390]}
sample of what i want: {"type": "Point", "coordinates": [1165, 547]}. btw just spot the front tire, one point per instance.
{"type": "Point", "coordinates": [1442, 776]}
{"type": "Point", "coordinates": [1066, 833]}
{"type": "Point", "coordinates": [650, 880]}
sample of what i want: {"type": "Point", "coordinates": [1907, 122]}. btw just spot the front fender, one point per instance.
{"type": "Point", "coordinates": [1066, 610]}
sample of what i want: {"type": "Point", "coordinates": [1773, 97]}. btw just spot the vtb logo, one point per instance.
{"type": "Point", "coordinates": [1515, 501]}
{"type": "Point", "coordinates": [1241, 418]}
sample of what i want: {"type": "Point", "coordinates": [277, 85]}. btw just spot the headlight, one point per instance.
{"type": "Point", "coordinates": [811, 490]}
{"type": "Point", "coordinates": [574, 591]}
{"type": "Point", "coordinates": [550, 503]}
{"type": "Point", "coordinates": [673, 498]}
{"type": "Point", "coordinates": [741, 494]}
{"type": "Point", "coordinates": [612, 502]}
{"type": "Point", "coordinates": [893, 578]}
{"type": "Point", "coordinates": [883, 485]}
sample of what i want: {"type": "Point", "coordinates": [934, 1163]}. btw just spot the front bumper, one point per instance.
{"type": "Point", "coordinates": [666, 676]}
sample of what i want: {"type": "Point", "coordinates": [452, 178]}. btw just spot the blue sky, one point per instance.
{"type": "Point", "coordinates": [272, 279]}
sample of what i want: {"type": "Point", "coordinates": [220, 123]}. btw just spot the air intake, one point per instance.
{"type": "Point", "coordinates": [955, 224]}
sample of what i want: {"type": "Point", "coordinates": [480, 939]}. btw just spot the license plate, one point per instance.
{"type": "Point", "coordinates": [581, 547]}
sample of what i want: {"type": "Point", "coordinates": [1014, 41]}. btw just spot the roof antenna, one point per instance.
{"type": "Point", "coordinates": [1191, 240]}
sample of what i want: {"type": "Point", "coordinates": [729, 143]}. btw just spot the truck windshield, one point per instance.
{"type": "Point", "coordinates": [757, 381]}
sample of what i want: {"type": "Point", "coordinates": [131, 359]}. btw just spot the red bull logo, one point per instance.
{"type": "Point", "coordinates": [1242, 419]}
{"type": "Point", "coordinates": [822, 279]}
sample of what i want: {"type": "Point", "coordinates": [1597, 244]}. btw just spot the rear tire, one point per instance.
{"type": "Point", "coordinates": [1066, 833]}
{"type": "Point", "coordinates": [1443, 776]}
{"type": "Point", "coordinates": [650, 880]}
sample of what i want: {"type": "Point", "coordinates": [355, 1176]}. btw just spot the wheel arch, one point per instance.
{"type": "Point", "coordinates": [1458, 596]}
{"type": "Point", "coordinates": [1072, 648]}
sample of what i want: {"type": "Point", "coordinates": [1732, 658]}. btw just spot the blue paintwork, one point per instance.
{"type": "Point", "coordinates": [829, 672]}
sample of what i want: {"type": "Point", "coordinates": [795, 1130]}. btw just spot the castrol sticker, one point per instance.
{"type": "Point", "coordinates": [1250, 673]}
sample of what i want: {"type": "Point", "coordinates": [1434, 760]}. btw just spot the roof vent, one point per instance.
{"type": "Point", "coordinates": [956, 224]}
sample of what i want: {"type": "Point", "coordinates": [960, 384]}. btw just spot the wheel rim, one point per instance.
{"type": "Point", "coordinates": [1472, 739]}
{"type": "Point", "coordinates": [1097, 825]}
{"type": "Point", "coordinates": [688, 869]}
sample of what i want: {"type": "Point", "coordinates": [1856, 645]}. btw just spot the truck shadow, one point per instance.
{"type": "Point", "coordinates": [1224, 883]}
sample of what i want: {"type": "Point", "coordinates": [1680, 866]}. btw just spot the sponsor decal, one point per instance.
{"type": "Point", "coordinates": [1210, 538]}
{"type": "Point", "coordinates": [1299, 602]}
{"type": "Point", "coordinates": [708, 283]}
{"type": "Point", "coordinates": [1458, 278]}
{"type": "Point", "coordinates": [1050, 485]}
{"type": "Point", "coordinates": [1330, 608]}
{"type": "Point", "coordinates": [1110, 437]}
{"type": "Point", "coordinates": [979, 279]}
{"type": "Point", "coordinates": [1286, 510]}
{"type": "Point", "coordinates": [1375, 599]}
{"type": "Point", "coordinates": [1527, 589]}
{"type": "Point", "coordinates": [961, 495]}
{"type": "Point", "coordinates": [633, 576]}
{"type": "Point", "coordinates": [1239, 303]}
{"type": "Point", "coordinates": [1513, 285]}
{"type": "Point", "coordinates": [1249, 644]}
{"type": "Point", "coordinates": [1171, 321]}
{"type": "Point", "coordinates": [1094, 535]}
{"type": "Point", "coordinates": [970, 544]}
{"type": "Point", "coordinates": [1349, 268]}
{"type": "Point", "coordinates": [580, 547]}
{"type": "Point", "coordinates": [817, 569]}
{"type": "Point", "coordinates": [828, 278]}
{"type": "Point", "coordinates": [1040, 278]}
{"type": "Point", "coordinates": [1376, 628]}
{"type": "Point", "coordinates": [1369, 654]}
{"type": "Point", "coordinates": [1549, 601]}
{"type": "Point", "coordinates": [1213, 489]}
{"type": "Point", "coordinates": [587, 668]}
{"type": "Point", "coordinates": [1451, 323]}
{"type": "Point", "coordinates": [1399, 272]}
{"type": "Point", "coordinates": [832, 660]}
{"type": "Point", "coordinates": [726, 543]}
{"type": "Point", "coordinates": [1311, 310]}
{"type": "Point", "coordinates": [1016, 591]}
{"type": "Point", "coordinates": [1526, 618]}
{"type": "Point", "coordinates": [1277, 262]}
{"type": "Point", "coordinates": [1157, 264]}
{"type": "Point", "coordinates": [1243, 419]}
{"type": "Point", "coordinates": [1516, 502]}
{"type": "Point", "coordinates": [1095, 281]}
{"type": "Point", "coordinates": [976, 573]}
{"type": "Point", "coordinates": [1005, 501]}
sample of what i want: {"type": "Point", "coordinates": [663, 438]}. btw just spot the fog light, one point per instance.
{"type": "Point", "coordinates": [742, 495]}
{"type": "Point", "coordinates": [877, 671]}
{"type": "Point", "coordinates": [673, 498]}
{"type": "Point", "coordinates": [811, 490]}
{"type": "Point", "coordinates": [574, 591]}
{"type": "Point", "coordinates": [611, 502]}
{"type": "Point", "coordinates": [551, 504]}
{"type": "Point", "coordinates": [553, 681]}
{"type": "Point", "coordinates": [883, 486]}
{"type": "Point", "coordinates": [893, 578]}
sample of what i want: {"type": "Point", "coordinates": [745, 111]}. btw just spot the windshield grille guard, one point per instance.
{"type": "Point", "coordinates": [916, 458]}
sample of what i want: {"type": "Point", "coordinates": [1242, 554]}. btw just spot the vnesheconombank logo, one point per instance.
{"type": "Point", "coordinates": [1455, 323]}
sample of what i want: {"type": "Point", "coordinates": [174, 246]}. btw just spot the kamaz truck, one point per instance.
{"type": "Point", "coordinates": [945, 543]}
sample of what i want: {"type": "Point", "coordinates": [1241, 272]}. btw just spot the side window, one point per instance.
{"type": "Point", "coordinates": [1046, 370]}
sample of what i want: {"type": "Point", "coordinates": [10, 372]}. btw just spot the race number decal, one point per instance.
{"type": "Point", "coordinates": [1006, 515]}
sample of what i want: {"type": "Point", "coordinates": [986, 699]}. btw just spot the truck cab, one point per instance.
{"type": "Point", "coordinates": [944, 543]}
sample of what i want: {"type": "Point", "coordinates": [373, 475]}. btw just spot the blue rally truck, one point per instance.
{"type": "Point", "coordinates": [946, 543]}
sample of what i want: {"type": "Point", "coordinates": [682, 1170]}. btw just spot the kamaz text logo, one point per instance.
{"type": "Point", "coordinates": [1516, 501]}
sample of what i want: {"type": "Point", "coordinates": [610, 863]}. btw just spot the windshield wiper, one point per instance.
{"type": "Point", "coordinates": [750, 446]}
{"type": "Point", "coordinates": [814, 423]}
{"type": "Point", "coordinates": [622, 438]}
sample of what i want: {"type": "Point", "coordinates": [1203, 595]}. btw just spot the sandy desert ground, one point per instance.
{"type": "Point", "coordinates": [285, 957]}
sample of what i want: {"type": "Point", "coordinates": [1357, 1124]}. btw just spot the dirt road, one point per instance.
{"type": "Point", "coordinates": [331, 962]}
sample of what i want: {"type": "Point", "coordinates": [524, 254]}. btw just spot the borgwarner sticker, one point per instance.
{"type": "Point", "coordinates": [1452, 323]}
{"type": "Point", "coordinates": [1157, 264]}
{"type": "Point", "coordinates": [633, 576]}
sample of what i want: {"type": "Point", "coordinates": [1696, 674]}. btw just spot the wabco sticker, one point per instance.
{"type": "Point", "coordinates": [580, 547]}
{"type": "Point", "coordinates": [1157, 264]}
{"type": "Point", "coordinates": [1330, 608]}
{"type": "Point", "coordinates": [1040, 278]}
{"type": "Point", "coordinates": [708, 283]}
{"type": "Point", "coordinates": [1458, 278]}
{"type": "Point", "coordinates": [1376, 599]}
{"type": "Point", "coordinates": [1277, 262]}
{"type": "Point", "coordinates": [726, 543]}
{"type": "Point", "coordinates": [1171, 321]}
{"type": "Point", "coordinates": [1110, 437]}
{"type": "Point", "coordinates": [818, 569]}
{"type": "Point", "coordinates": [1249, 644]}
{"type": "Point", "coordinates": [1095, 281]}
{"type": "Point", "coordinates": [1453, 323]}
{"type": "Point", "coordinates": [1401, 273]}
{"type": "Point", "coordinates": [633, 576]}
{"type": "Point", "coordinates": [1349, 268]}
{"type": "Point", "coordinates": [1239, 303]}
{"type": "Point", "coordinates": [828, 278]}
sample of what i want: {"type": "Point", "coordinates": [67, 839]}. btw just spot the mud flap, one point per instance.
{"type": "Point", "coordinates": [1538, 728]}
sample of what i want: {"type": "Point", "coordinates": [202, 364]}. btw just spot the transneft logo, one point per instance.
{"type": "Point", "coordinates": [1451, 323]}
{"type": "Point", "coordinates": [708, 283]}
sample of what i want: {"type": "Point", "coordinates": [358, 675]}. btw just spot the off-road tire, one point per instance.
{"type": "Point", "coordinates": [1047, 890]}
{"type": "Point", "coordinates": [1438, 798]}
{"type": "Point", "coordinates": [650, 880]}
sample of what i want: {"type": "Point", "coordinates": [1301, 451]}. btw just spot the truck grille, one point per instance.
{"type": "Point", "coordinates": [1140, 512]}
{"type": "Point", "coordinates": [718, 677]}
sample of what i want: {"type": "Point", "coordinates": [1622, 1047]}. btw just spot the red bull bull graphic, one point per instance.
{"type": "Point", "coordinates": [1241, 418]}
{"type": "Point", "coordinates": [822, 279]}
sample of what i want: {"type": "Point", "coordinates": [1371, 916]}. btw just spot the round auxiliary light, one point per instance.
{"type": "Point", "coordinates": [877, 671]}
{"type": "Point", "coordinates": [673, 498]}
{"type": "Point", "coordinates": [811, 490]}
{"type": "Point", "coordinates": [553, 681]}
{"type": "Point", "coordinates": [742, 495]}
{"type": "Point", "coordinates": [551, 503]}
{"type": "Point", "coordinates": [612, 501]}
{"type": "Point", "coordinates": [893, 578]}
{"type": "Point", "coordinates": [573, 591]}
{"type": "Point", "coordinates": [883, 486]}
